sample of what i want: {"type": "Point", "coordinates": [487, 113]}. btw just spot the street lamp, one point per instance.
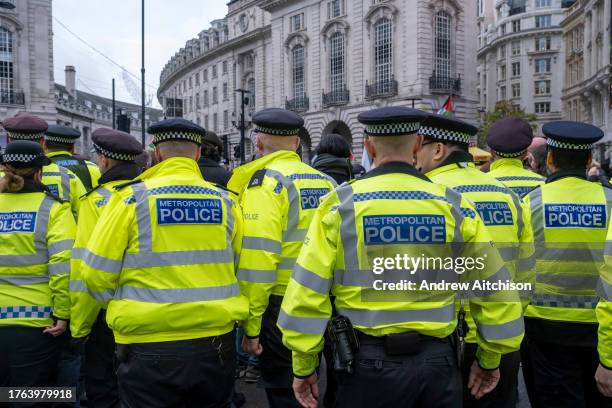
{"type": "Point", "coordinates": [142, 73]}
{"type": "Point", "coordinates": [243, 125]}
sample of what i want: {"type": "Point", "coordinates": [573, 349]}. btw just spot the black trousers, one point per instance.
{"type": "Point", "coordinates": [505, 394]}
{"type": "Point", "coordinates": [195, 373]}
{"type": "Point", "coordinates": [99, 366]}
{"type": "Point", "coordinates": [275, 361]}
{"type": "Point", "coordinates": [428, 379]}
{"type": "Point", "coordinates": [562, 376]}
{"type": "Point", "coordinates": [28, 358]}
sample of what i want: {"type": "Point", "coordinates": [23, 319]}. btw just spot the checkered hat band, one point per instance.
{"type": "Point", "coordinates": [446, 135]}
{"type": "Point", "coordinates": [177, 135]}
{"type": "Point", "coordinates": [26, 136]}
{"type": "Point", "coordinates": [114, 155]}
{"type": "Point", "coordinates": [391, 129]}
{"type": "Point", "coordinates": [59, 139]}
{"type": "Point", "coordinates": [19, 158]}
{"type": "Point", "coordinates": [277, 132]}
{"type": "Point", "coordinates": [569, 146]}
{"type": "Point", "coordinates": [510, 155]}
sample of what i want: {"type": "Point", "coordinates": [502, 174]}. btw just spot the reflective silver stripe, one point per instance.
{"type": "Point", "coordinates": [179, 295]}
{"type": "Point", "coordinates": [348, 229]}
{"type": "Point", "coordinates": [330, 179]}
{"type": "Point", "coordinates": [176, 258]}
{"type": "Point", "coordinates": [311, 280]}
{"type": "Point", "coordinates": [454, 198]}
{"type": "Point", "coordinates": [568, 281]}
{"type": "Point", "coordinates": [262, 244]}
{"type": "Point", "coordinates": [306, 325]}
{"type": "Point", "coordinates": [65, 180]}
{"type": "Point", "coordinates": [60, 268]}
{"type": "Point", "coordinates": [22, 280]}
{"type": "Point", "coordinates": [79, 286]}
{"type": "Point", "coordinates": [104, 192]}
{"type": "Point", "coordinates": [256, 275]}
{"type": "Point", "coordinates": [297, 235]}
{"type": "Point", "coordinates": [287, 264]}
{"type": "Point", "coordinates": [569, 254]}
{"type": "Point", "coordinates": [23, 260]}
{"type": "Point", "coordinates": [293, 214]}
{"type": "Point", "coordinates": [608, 248]}
{"type": "Point", "coordinates": [143, 218]}
{"type": "Point", "coordinates": [229, 227]}
{"type": "Point", "coordinates": [492, 332]}
{"type": "Point", "coordinates": [527, 263]}
{"type": "Point", "coordinates": [373, 318]}
{"type": "Point", "coordinates": [537, 215]}
{"type": "Point", "coordinates": [96, 261]}
{"type": "Point", "coordinates": [60, 246]}
{"type": "Point", "coordinates": [509, 254]}
{"type": "Point", "coordinates": [604, 289]}
{"type": "Point", "coordinates": [565, 301]}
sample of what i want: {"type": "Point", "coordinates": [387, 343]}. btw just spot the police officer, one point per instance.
{"type": "Point", "coordinates": [445, 159]}
{"type": "Point", "coordinates": [59, 180]}
{"type": "Point", "coordinates": [212, 149]}
{"type": "Point", "coordinates": [279, 195]}
{"type": "Point", "coordinates": [36, 236]}
{"type": "Point", "coordinates": [173, 300]}
{"type": "Point", "coordinates": [603, 375]}
{"type": "Point", "coordinates": [509, 139]}
{"type": "Point", "coordinates": [570, 216]}
{"type": "Point", "coordinates": [405, 357]}
{"type": "Point", "coordinates": [59, 146]}
{"type": "Point", "coordinates": [116, 155]}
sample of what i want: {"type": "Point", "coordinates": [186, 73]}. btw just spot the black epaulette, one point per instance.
{"type": "Point", "coordinates": [224, 188]}
{"type": "Point", "coordinates": [531, 191]}
{"type": "Point", "coordinates": [90, 191]}
{"type": "Point", "coordinates": [120, 187]}
{"type": "Point", "coordinates": [257, 179]}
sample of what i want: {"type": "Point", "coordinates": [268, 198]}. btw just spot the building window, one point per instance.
{"type": "Point", "coordinates": [335, 8]}
{"type": "Point", "coordinates": [299, 77]}
{"type": "Point", "coordinates": [215, 96]}
{"type": "Point", "coordinates": [191, 104]}
{"type": "Point", "coordinates": [205, 121]}
{"type": "Point", "coordinates": [502, 52]}
{"type": "Point", "coordinates": [190, 83]}
{"type": "Point", "coordinates": [502, 93]}
{"type": "Point", "coordinates": [516, 69]}
{"type": "Point", "coordinates": [197, 79]}
{"type": "Point", "coordinates": [383, 50]}
{"type": "Point", "coordinates": [206, 100]}
{"type": "Point", "coordinates": [542, 66]}
{"type": "Point", "coordinates": [197, 98]}
{"type": "Point", "coordinates": [251, 89]}
{"type": "Point", "coordinates": [516, 26]}
{"type": "Point", "coordinates": [224, 65]}
{"type": "Point", "coordinates": [225, 92]}
{"type": "Point", "coordinates": [542, 3]}
{"type": "Point", "coordinates": [337, 76]}
{"type": "Point", "coordinates": [225, 119]}
{"type": "Point", "coordinates": [542, 87]}
{"type": "Point", "coordinates": [215, 123]}
{"type": "Point", "coordinates": [205, 75]}
{"type": "Point", "coordinates": [249, 61]}
{"type": "Point", "coordinates": [543, 21]}
{"type": "Point", "coordinates": [214, 71]}
{"type": "Point", "coordinates": [542, 107]}
{"type": "Point", "coordinates": [502, 72]}
{"type": "Point", "coordinates": [6, 66]}
{"type": "Point", "coordinates": [516, 90]}
{"type": "Point", "coordinates": [442, 62]}
{"type": "Point", "coordinates": [542, 44]}
{"type": "Point", "coordinates": [296, 22]}
{"type": "Point", "coordinates": [502, 29]}
{"type": "Point", "coordinates": [516, 48]}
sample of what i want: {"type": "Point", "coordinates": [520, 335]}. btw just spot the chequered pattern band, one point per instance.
{"type": "Point", "coordinates": [482, 188]}
{"type": "Point", "coordinates": [59, 139]}
{"type": "Point", "coordinates": [468, 212]}
{"type": "Point", "coordinates": [19, 312]}
{"type": "Point", "coordinates": [306, 177]}
{"type": "Point", "coordinates": [25, 136]}
{"type": "Point", "coordinates": [569, 146]}
{"type": "Point", "coordinates": [510, 155]}
{"type": "Point", "coordinates": [177, 135]}
{"type": "Point", "coordinates": [19, 158]}
{"type": "Point", "coordinates": [520, 178]}
{"type": "Point", "coordinates": [393, 129]}
{"type": "Point", "coordinates": [446, 135]}
{"type": "Point", "coordinates": [277, 132]}
{"type": "Point", "coordinates": [114, 155]}
{"type": "Point", "coordinates": [177, 190]}
{"type": "Point", "coordinates": [397, 195]}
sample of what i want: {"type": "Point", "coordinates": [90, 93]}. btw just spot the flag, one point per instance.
{"type": "Point", "coordinates": [448, 108]}
{"type": "Point", "coordinates": [366, 162]}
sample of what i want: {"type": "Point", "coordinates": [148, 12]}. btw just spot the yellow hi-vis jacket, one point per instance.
{"type": "Point", "coordinates": [391, 211]}
{"type": "Point", "coordinates": [85, 308]}
{"type": "Point", "coordinates": [64, 184]}
{"type": "Point", "coordinates": [163, 255]}
{"type": "Point", "coordinates": [66, 159]}
{"type": "Point", "coordinates": [512, 173]}
{"type": "Point", "coordinates": [570, 218]}
{"type": "Point", "coordinates": [505, 215]}
{"type": "Point", "coordinates": [604, 307]}
{"type": "Point", "coordinates": [36, 236]}
{"type": "Point", "coordinates": [278, 205]}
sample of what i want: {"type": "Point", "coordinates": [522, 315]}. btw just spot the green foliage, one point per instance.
{"type": "Point", "coordinates": [502, 110]}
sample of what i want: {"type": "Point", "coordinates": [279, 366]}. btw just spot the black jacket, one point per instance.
{"type": "Point", "coordinates": [337, 168]}
{"type": "Point", "coordinates": [213, 172]}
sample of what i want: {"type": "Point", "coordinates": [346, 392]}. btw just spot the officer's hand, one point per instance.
{"type": "Point", "coordinates": [603, 377]}
{"type": "Point", "coordinates": [482, 381]}
{"type": "Point", "coordinates": [306, 390]}
{"type": "Point", "coordinates": [252, 346]}
{"type": "Point", "coordinates": [57, 329]}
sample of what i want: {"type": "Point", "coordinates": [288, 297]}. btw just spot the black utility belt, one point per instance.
{"type": "Point", "coordinates": [401, 343]}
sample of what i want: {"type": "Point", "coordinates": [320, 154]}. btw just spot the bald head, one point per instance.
{"type": "Point", "coordinates": [268, 144]}
{"type": "Point", "coordinates": [177, 148]}
{"type": "Point", "coordinates": [386, 149]}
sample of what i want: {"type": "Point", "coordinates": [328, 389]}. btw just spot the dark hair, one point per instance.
{"type": "Point", "coordinates": [539, 158]}
{"type": "Point", "coordinates": [335, 145]}
{"type": "Point", "coordinates": [570, 159]}
{"type": "Point", "coordinates": [58, 146]}
{"type": "Point", "coordinates": [210, 151]}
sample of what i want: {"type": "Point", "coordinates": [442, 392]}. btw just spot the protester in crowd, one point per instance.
{"type": "Point", "coordinates": [333, 158]}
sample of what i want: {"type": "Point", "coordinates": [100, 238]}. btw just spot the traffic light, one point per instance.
{"type": "Point", "coordinates": [237, 152]}
{"type": "Point", "coordinates": [123, 123]}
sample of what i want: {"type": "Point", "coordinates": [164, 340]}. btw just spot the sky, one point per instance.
{"type": "Point", "coordinates": [114, 28]}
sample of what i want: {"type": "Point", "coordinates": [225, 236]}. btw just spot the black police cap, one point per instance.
{"type": "Point", "coordinates": [115, 144]}
{"type": "Point", "coordinates": [510, 137]}
{"type": "Point", "coordinates": [570, 135]}
{"type": "Point", "coordinates": [176, 129]}
{"type": "Point", "coordinates": [62, 134]}
{"type": "Point", "coordinates": [392, 121]}
{"type": "Point", "coordinates": [24, 153]}
{"type": "Point", "coordinates": [278, 122]}
{"type": "Point", "coordinates": [25, 126]}
{"type": "Point", "coordinates": [442, 128]}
